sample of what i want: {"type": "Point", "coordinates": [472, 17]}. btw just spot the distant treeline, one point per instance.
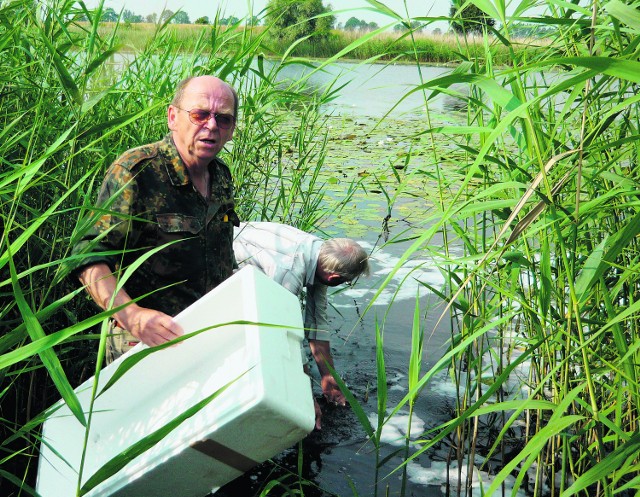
{"type": "Point", "coordinates": [435, 48]}
{"type": "Point", "coordinates": [523, 30]}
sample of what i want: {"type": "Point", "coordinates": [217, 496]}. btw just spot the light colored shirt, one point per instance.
{"type": "Point", "coordinates": [289, 256]}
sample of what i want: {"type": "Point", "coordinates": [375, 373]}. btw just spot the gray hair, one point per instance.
{"type": "Point", "coordinates": [182, 85]}
{"type": "Point", "coordinates": [345, 257]}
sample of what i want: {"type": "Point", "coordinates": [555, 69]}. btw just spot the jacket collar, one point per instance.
{"type": "Point", "coordinates": [175, 167]}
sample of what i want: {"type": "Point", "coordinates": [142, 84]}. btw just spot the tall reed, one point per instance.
{"type": "Point", "coordinates": [72, 100]}
{"type": "Point", "coordinates": [547, 216]}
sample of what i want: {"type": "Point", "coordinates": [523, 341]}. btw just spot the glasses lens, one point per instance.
{"type": "Point", "coordinates": [225, 121]}
{"type": "Point", "coordinates": [198, 116]}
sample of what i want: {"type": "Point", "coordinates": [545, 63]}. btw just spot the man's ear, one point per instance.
{"type": "Point", "coordinates": [334, 279]}
{"type": "Point", "coordinates": [172, 114]}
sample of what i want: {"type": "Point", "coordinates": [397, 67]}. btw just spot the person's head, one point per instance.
{"type": "Point", "coordinates": [202, 118]}
{"type": "Point", "coordinates": [341, 260]}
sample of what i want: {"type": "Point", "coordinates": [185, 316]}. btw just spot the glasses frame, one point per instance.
{"type": "Point", "coordinates": [215, 116]}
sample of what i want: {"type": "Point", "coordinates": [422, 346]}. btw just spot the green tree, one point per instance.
{"type": "Point", "coordinates": [294, 19]}
{"type": "Point", "coordinates": [152, 18]}
{"type": "Point", "coordinates": [201, 20]}
{"type": "Point", "coordinates": [109, 15]}
{"type": "Point", "coordinates": [166, 14]}
{"type": "Point", "coordinates": [181, 17]}
{"type": "Point", "coordinates": [228, 21]}
{"type": "Point", "coordinates": [129, 16]}
{"type": "Point", "coordinates": [471, 19]}
{"type": "Point", "coordinates": [352, 24]}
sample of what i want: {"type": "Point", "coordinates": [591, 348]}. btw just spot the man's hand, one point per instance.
{"type": "Point", "coordinates": [332, 391]}
{"type": "Point", "coordinates": [321, 352]}
{"type": "Point", "coordinates": [148, 325]}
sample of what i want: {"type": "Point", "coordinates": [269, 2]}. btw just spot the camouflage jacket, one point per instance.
{"type": "Point", "coordinates": [148, 201]}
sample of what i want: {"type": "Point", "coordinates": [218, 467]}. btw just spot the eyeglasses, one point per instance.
{"type": "Point", "coordinates": [200, 117]}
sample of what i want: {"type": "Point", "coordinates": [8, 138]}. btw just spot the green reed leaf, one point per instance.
{"type": "Point", "coordinates": [48, 356]}
{"type": "Point", "coordinates": [381, 375]}
{"type": "Point", "coordinates": [602, 258]}
{"type": "Point", "coordinates": [415, 357]}
{"type": "Point", "coordinates": [353, 402]}
{"type": "Point", "coordinates": [627, 70]}
{"type": "Point", "coordinates": [626, 14]}
{"type": "Point", "coordinates": [68, 82]}
{"type": "Point", "coordinates": [488, 7]}
{"type": "Point", "coordinates": [558, 423]}
{"type": "Point", "coordinates": [23, 176]}
{"type": "Point", "coordinates": [383, 9]}
{"type": "Point", "coordinates": [604, 469]}
{"type": "Point", "coordinates": [50, 340]}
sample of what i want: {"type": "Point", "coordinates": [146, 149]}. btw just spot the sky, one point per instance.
{"type": "Point", "coordinates": [240, 8]}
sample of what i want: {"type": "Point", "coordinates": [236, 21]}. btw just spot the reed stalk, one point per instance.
{"type": "Point", "coordinates": [72, 101]}
{"type": "Point", "coordinates": [547, 217]}
{"type": "Point", "coordinates": [538, 190]}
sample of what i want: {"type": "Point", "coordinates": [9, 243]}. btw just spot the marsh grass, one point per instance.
{"type": "Point", "coordinates": [546, 213]}
{"type": "Point", "coordinates": [382, 45]}
{"type": "Point", "coordinates": [540, 193]}
{"type": "Point", "coordinates": [386, 46]}
{"type": "Point", "coordinates": [72, 102]}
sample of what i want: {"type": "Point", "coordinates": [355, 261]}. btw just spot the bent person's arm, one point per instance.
{"type": "Point", "coordinates": [321, 351]}
{"type": "Point", "coordinates": [148, 325]}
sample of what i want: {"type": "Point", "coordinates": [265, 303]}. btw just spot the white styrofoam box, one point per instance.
{"type": "Point", "coordinates": [265, 411]}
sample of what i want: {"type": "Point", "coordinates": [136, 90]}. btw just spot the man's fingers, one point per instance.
{"type": "Point", "coordinates": [318, 414]}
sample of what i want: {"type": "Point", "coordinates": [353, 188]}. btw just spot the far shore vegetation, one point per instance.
{"type": "Point", "coordinates": [384, 46]}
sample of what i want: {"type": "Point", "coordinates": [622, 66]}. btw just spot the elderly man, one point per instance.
{"type": "Point", "coordinates": [300, 261]}
{"type": "Point", "coordinates": [173, 190]}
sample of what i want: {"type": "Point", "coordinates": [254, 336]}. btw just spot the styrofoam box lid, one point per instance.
{"type": "Point", "coordinates": [267, 409]}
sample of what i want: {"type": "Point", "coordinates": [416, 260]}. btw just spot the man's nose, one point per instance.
{"type": "Point", "coordinates": [211, 122]}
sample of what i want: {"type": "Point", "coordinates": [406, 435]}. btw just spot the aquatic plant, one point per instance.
{"type": "Point", "coordinates": [546, 212]}
{"type": "Point", "coordinates": [72, 100]}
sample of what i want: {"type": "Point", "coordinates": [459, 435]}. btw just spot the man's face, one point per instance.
{"type": "Point", "coordinates": [198, 144]}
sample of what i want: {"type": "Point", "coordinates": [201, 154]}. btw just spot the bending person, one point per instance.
{"type": "Point", "coordinates": [301, 261]}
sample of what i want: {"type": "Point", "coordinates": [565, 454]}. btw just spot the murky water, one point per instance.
{"type": "Point", "coordinates": [339, 457]}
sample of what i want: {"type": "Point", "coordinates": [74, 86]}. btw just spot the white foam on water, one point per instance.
{"type": "Point", "coordinates": [405, 283]}
{"type": "Point", "coordinates": [436, 475]}
{"type": "Point", "coordinates": [394, 431]}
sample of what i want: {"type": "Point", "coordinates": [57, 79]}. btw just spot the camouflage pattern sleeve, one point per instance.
{"type": "Point", "coordinates": [149, 214]}
{"type": "Point", "coordinates": [105, 240]}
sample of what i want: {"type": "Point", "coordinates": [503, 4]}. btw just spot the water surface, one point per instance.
{"type": "Point", "coordinates": [340, 456]}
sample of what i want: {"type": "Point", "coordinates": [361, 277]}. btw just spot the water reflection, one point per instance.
{"type": "Point", "coordinates": [371, 89]}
